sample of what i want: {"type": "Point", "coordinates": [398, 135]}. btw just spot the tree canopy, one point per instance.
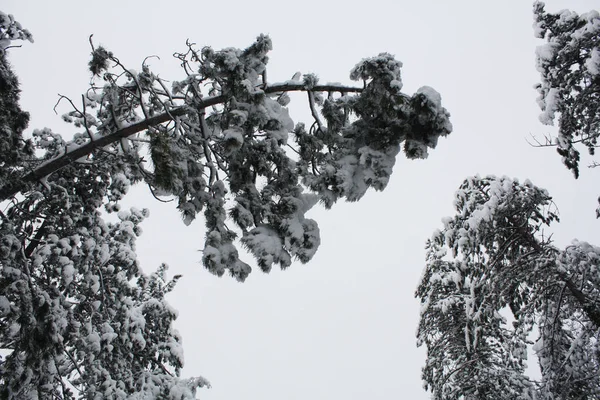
{"type": "Point", "coordinates": [78, 316]}
{"type": "Point", "coordinates": [492, 276]}
{"type": "Point", "coordinates": [569, 91]}
{"type": "Point", "coordinates": [222, 134]}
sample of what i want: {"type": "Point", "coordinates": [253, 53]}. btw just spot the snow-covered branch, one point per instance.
{"type": "Point", "coordinates": [75, 152]}
{"type": "Point", "coordinates": [491, 257]}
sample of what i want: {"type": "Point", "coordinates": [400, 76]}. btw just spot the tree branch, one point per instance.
{"type": "Point", "coordinates": [591, 311]}
{"type": "Point", "coordinates": [41, 232]}
{"type": "Point", "coordinates": [71, 155]}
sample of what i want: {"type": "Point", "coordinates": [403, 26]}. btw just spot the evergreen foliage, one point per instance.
{"type": "Point", "coordinates": [569, 64]}
{"type": "Point", "coordinates": [492, 277]}
{"type": "Point", "coordinates": [233, 153]}
{"type": "Point", "coordinates": [78, 316]}
{"type": "Point", "coordinates": [13, 120]}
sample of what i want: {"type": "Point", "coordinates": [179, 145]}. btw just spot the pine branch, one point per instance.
{"type": "Point", "coordinates": [70, 156]}
{"type": "Point", "coordinates": [585, 303]}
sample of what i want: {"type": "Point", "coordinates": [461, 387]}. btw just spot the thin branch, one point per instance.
{"type": "Point", "coordinates": [595, 164]}
{"type": "Point", "coordinates": [167, 92]}
{"type": "Point", "coordinates": [156, 196]}
{"type": "Point", "coordinates": [3, 217]}
{"type": "Point", "coordinates": [85, 124]}
{"type": "Point", "coordinates": [59, 378]}
{"type": "Point", "coordinates": [33, 243]}
{"type": "Point", "coordinates": [207, 152]}
{"type": "Point", "coordinates": [313, 110]}
{"type": "Point", "coordinates": [550, 143]}
{"type": "Point", "coordinates": [60, 98]}
{"type": "Point", "coordinates": [592, 312]}
{"type": "Point", "coordinates": [293, 149]}
{"type": "Point", "coordinates": [135, 139]}
{"type": "Point", "coordinates": [14, 46]}
{"type": "Point", "coordinates": [91, 42]}
{"type": "Point", "coordinates": [538, 143]}
{"type": "Point", "coordinates": [73, 361]}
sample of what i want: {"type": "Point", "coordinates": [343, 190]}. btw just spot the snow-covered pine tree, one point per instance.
{"type": "Point", "coordinates": [78, 317]}
{"type": "Point", "coordinates": [491, 277]}
{"type": "Point", "coordinates": [13, 120]}
{"type": "Point", "coordinates": [221, 142]}
{"type": "Point", "coordinates": [569, 92]}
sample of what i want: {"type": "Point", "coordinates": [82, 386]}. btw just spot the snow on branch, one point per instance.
{"type": "Point", "coordinates": [73, 152]}
{"type": "Point", "coordinates": [223, 134]}
{"type": "Point", "coordinates": [492, 259]}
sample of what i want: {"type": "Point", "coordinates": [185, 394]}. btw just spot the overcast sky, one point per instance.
{"type": "Point", "coordinates": [342, 326]}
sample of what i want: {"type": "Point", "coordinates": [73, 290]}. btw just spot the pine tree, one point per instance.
{"type": "Point", "coordinates": [233, 144]}
{"type": "Point", "coordinates": [569, 64]}
{"type": "Point", "coordinates": [13, 121]}
{"type": "Point", "coordinates": [491, 262]}
{"type": "Point", "coordinates": [78, 317]}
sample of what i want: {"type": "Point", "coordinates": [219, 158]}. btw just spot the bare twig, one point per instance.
{"type": "Point", "coordinates": [548, 143]}
{"type": "Point", "coordinates": [91, 42]}
{"type": "Point", "coordinates": [156, 196]}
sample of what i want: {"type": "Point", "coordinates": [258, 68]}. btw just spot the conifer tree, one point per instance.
{"type": "Point", "coordinates": [569, 91]}
{"type": "Point", "coordinates": [78, 316]}
{"type": "Point", "coordinates": [491, 263]}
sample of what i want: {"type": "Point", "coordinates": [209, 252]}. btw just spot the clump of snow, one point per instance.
{"type": "Point", "coordinates": [384, 66]}
{"type": "Point", "coordinates": [593, 62]}
{"type": "Point", "coordinates": [433, 95]}
{"type": "Point", "coordinates": [234, 138]}
{"type": "Point", "coordinates": [4, 306]}
{"type": "Point", "coordinates": [276, 111]}
{"type": "Point", "coordinates": [396, 84]}
{"type": "Point", "coordinates": [546, 51]}
{"type": "Point", "coordinates": [549, 104]}
{"type": "Point", "coordinates": [267, 247]}
{"type": "Point", "coordinates": [238, 117]}
{"type": "Point", "coordinates": [93, 341]}
{"type": "Point", "coordinates": [439, 119]}
{"type": "Point", "coordinates": [124, 215]}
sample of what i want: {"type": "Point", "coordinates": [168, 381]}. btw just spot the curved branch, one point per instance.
{"type": "Point", "coordinates": [74, 153]}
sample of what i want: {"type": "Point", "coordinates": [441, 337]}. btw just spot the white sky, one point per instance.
{"type": "Point", "coordinates": [342, 326]}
